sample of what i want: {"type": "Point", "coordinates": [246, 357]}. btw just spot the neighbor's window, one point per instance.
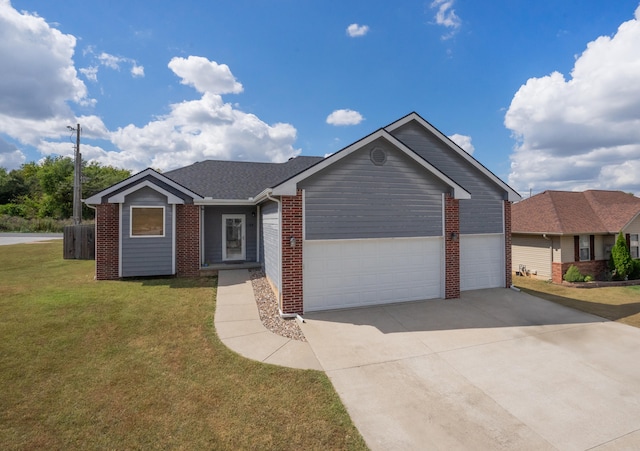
{"type": "Point", "coordinates": [633, 245]}
{"type": "Point", "coordinates": [585, 248]}
{"type": "Point", "coordinates": [147, 221]}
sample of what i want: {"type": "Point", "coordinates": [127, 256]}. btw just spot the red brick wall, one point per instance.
{"type": "Point", "coordinates": [594, 268]}
{"type": "Point", "coordinates": [507, 243]}
{"type": "Point", "coordinates": [292, 257]}
{"type": "Point", "coordinates": [187, 240]}
{"type": "Point", "coordinates": [452, 248]}
{"type": "Point", "coordinates": [107, 241]}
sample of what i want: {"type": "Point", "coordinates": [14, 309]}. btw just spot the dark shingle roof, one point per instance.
{"type": "Point", "coordinates": [237, 179]}
{"type": "Point", "coordinates": [566, 212]}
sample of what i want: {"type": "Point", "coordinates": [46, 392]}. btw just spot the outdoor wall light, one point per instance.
{"type": "Point", "coordinates": [454, 236]}
{"type": "Point", "coordinates": [292, 241]}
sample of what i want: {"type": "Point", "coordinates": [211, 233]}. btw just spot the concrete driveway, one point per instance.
{"type": "Point", "coordinates": [496, 369]}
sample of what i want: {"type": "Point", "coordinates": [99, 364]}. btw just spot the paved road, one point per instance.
{"type": "Point", "coordinates": [17, 238]}
{"type": "Point", "coordinates": [494, 370]}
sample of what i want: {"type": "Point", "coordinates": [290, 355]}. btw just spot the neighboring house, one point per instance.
{"type": "Point", "coordinates": [556, 229]}
{"type": "Point", "coordinates": [403, 214]}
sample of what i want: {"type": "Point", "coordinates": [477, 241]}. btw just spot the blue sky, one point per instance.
{"type": "Point", "coordinates": [546, 94]}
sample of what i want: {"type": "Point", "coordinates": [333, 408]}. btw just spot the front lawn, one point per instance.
{"type": "Point", "coordinates": [138, 365]}
{"type": "Point", "coordinates": [615, 303]}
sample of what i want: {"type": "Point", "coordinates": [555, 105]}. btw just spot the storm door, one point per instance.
{"type": "Point", "coordinates": [233, 237]}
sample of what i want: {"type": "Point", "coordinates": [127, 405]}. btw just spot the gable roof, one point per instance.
{"type": "Point", "coordinates": [288, 187]}
{"type": "Point", "coordinates": [221, 182]}
{"type": "Point", "coordinates": [141, 179]}
{"type": "Point", "coordinates": [512, 194]}
{"type": "Point", "coordinates": [567, 212]}
{"type": "Point", "coordinates": [237, 179]}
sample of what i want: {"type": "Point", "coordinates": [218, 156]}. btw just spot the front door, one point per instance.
{"type": "Point", "coordinates": [233, 237]}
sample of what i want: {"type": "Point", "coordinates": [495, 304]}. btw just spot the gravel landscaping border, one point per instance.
{"type": "Point", "coordinates": [268, 308]}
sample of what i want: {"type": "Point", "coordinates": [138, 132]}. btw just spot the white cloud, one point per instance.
{"type": "Point", "coordinates": [354, 30]}
{"type": "Point", "coordinates": [583, 132]}
{"type": "Point", "coordinates": [205, 75]}
{"type": "Point", "coordinates": [31, 48]}
{"type": "Point", "coordinates": [446, 16]}
{"type": "Point", "coordinates": [91, 73]}
{"type": "Point", "coordinates": [344, 117]}
{"type": "Point", "coordinates": [35, 109]}
{"type": "Point", "coordinates": [112, 62]}
{"type": "Point", "coordinates": [464, 142]}
{"type": "Point", "coordinates": [137, 71]}
{"type": "Point", "coordinates": [203, 129]}
{"type": "Point", "coordinates": [10, 156]}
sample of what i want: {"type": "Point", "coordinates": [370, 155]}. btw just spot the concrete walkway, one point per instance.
{"type": "Point", "coordinates": [239, 326]}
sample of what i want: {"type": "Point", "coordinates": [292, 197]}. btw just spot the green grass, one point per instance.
{"type": "Point", "coordinates": [620, 304]}
{"type": "Point", "coordinates": [137, 365]}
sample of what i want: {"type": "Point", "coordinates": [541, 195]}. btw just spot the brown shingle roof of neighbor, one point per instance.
{"type": "Point", "coordinates": [566, 212]}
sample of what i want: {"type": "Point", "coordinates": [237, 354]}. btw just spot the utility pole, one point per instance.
{"type": "Point", "coordinates": [77, 179]}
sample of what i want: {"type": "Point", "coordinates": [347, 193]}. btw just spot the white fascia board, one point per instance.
{"type": "Point", "coordinates": [289, 187]}
{"type": "Point", "coordinates": [263, 195]}
{"type": "Point", "coordinates": [119, 198]}
{"type": "Point", "coordinates": [512, 195]}
{"type": "Point", "coordinates": [97, 198]}
{"type": "Point", "coordinates": [212, 201]}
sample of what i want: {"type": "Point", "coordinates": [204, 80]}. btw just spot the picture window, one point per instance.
{"type": "Point", "coordinates": [147, 221]}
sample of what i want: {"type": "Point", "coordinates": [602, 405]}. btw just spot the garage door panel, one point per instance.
{"type": "Point", "coordinates": [351, 273]}
{"type": "Point", "coordinates": [481, 261]}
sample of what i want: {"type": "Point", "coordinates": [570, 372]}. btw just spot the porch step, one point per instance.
{"type": "Point", "coordinates": [212, 270]}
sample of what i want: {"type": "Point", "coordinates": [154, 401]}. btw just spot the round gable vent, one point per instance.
{"type": "Point", "coordinates": [378, 156]}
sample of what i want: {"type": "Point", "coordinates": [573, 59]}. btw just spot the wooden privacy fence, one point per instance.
{"type": "Point", "coordinates": [79, 242]}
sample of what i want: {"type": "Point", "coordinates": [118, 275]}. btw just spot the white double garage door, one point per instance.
{"type": "Point", "coordinates": [355, 273]}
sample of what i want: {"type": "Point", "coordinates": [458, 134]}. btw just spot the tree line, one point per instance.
{"type": "Point", "coordinates": [45, 189]}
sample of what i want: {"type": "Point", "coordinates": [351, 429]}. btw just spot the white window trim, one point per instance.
{"type": "Point", "coordinates": [164, 221]}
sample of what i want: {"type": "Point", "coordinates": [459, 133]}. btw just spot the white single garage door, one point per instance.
{"type": "Point", "coordinates": [481, 261]}
{"type": "Point", "coordinates": [353, 273]}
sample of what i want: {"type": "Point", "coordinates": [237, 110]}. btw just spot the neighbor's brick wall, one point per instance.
{"type": "Point", "coordinates": [107, 241]}
{"type": "Point", "coordinates": [187, 240]}
{"type": "Point", "coordinates": [292, 257]}
{"type": "Point", "coordinates": [507, 243]}
{"type": "Point", "coordinates": [452, 248]}
{"type": "Point", "coordinates": [595, 268]}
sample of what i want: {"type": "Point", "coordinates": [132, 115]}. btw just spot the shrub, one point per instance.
{"type": "Point", "coordinates": [588, 278]}
{"type": "Point", "coordinates": [573, 274]}
{"type": "Point", "coordinates": [13, 210]}
{"type": "Point", "coordinates": [635, 270]}
{"type": "Point", "coordinates": [622, 261]}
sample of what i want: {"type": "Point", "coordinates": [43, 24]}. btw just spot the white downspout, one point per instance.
{"type": "Point", "coordinates": [277, 201]}
{"type": "Point", "coordinates": [258, 224]}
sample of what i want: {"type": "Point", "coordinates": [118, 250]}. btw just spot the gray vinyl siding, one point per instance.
{"type": "Point", "coordinates": [354, 198]}
{"type": "Point", "coordinates": [483, 213]}
{"type": "Point", "coordinates": [270, 224]}
{"type": "Point", "coordinates": [142, 256]}
{"type": "Point", "coordinates": [213, 232]}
